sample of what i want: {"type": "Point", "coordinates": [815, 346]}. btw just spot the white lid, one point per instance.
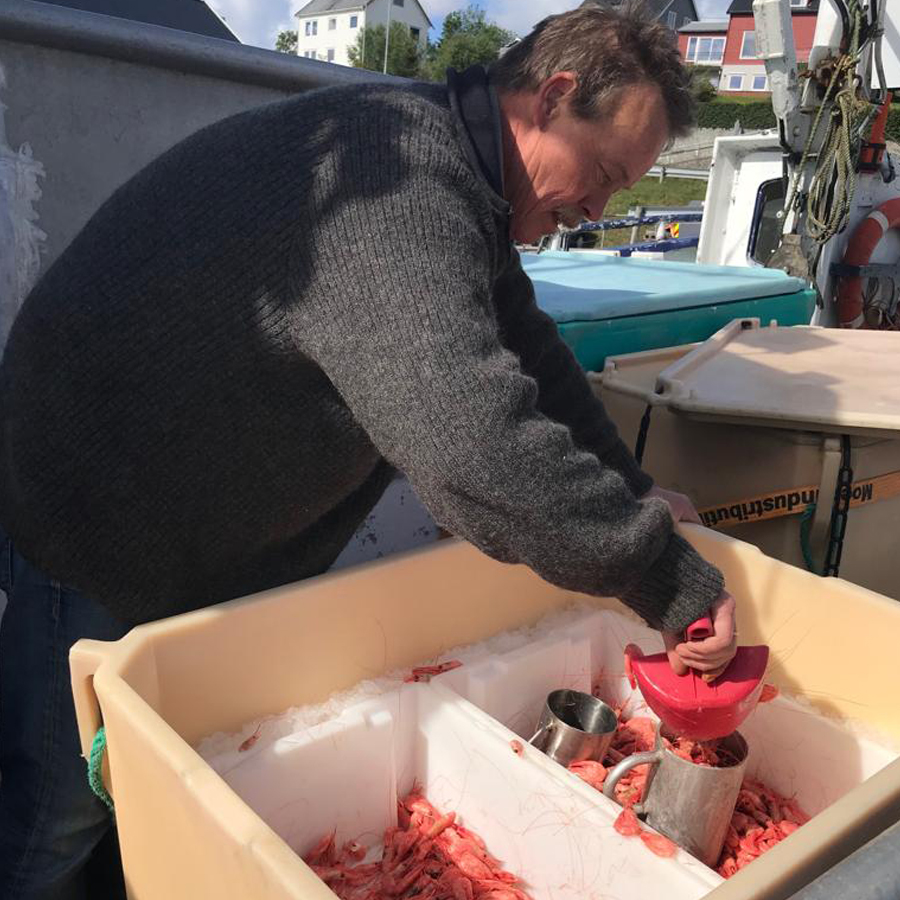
{"type": "Point", "coordinates": [820, 379]}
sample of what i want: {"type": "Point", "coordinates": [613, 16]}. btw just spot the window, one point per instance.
{"type": "Point", "coordinates": [414, 33]}
{"type": "Point", "coordinates": [691, 48]}
{"type": "Point", "coordinates": [735, 82]}
{"type": "Point", "coordinates": [685, 21]}
{"type": "Point", "coordinates": [765, 230]}
{"type": "Point", "coordinates": [312, 28]}
{"type": "Point", "coordinates": [309, 54]}
{"type": "Point", "coordinates": [332, 24]}
{"type": "Point", "coordinates": [583, 240]}
{"type": "Point", "coordinates": [330, 54]}
{"type": "Point", "coordinates": [748, 45]}
{"type": "Point", "coordinates": [672, 20]}
{"type": "Point", "coordinates": [398, 2]}
{"type": "Point", "coordinates": [798, 2]}
{"type": "Point", "coordinates": [710, 50]}
{"type": "Point", "coordinates": [759, 82]}
{"type": "Point", "coordinates": [354, 21]}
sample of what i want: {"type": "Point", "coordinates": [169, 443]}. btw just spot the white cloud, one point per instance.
{"type": "Point", "coordinates": [439, 8]}
{"type": "Point", "coordinates": [514, 15]}
{"type": "Point", "coordinates": [522, 17]}
{"type": "Point", "coordinates": [712, 9]}
{"type": "Point", "coordinates": [257, 22]}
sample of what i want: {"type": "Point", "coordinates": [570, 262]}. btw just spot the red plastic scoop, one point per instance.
{"type": "Point", "coordinates": [690, 706]}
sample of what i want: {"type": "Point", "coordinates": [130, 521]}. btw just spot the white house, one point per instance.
{"type": "Point", "coordinates": [326, 28]}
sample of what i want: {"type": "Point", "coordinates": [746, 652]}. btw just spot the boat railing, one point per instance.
{"type": "Point", "coordinates": [78, 31]}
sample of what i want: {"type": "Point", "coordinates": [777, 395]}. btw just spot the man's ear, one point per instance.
{"type": "Point", "coordinates": [551, 95]}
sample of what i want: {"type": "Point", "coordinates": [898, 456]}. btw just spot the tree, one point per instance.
{"type": "Point", "coordinates": [404, 52]}
{"type": "Point", "coordinates": [467, 39]}
{"type": "Point", "coordinates": [702, 86]}
{"type": "Point", "coordinates": [286, 41]}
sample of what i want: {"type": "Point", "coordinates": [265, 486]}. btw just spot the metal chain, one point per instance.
{"type": "Point", "coordinates": [839, 511]}
{"type": "Point", "coordinates": [642, 435]}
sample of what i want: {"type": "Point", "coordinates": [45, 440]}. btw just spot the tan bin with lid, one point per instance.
{"type": "Point", "coordinates": [749, 424]}
{"type": "Point", "coordinates": [186, 834]}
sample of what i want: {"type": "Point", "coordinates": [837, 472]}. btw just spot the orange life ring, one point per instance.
{"type": "Point", "coordinates": [859, 253]}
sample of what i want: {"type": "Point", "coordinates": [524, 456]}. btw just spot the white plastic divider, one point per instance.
{"type": "Point", "coordinates": [586, 655]}
{"type": "Point", "coordinates": [512, 688]}
{"type": "Point", "coordinates": [452, 737]}
{"type": "Point", "coordinates": [544, 824]}
{"type": "Point", "coordinates": [337, 775]}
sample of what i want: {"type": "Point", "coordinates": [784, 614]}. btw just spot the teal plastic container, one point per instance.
{"type": "Point", "coordinates": [605, 305]}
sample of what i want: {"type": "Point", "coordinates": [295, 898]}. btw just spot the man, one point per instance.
{"type": "Point", "coordinates": [211, 387]}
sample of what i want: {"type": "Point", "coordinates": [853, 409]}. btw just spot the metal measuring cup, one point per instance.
{"type": "Point", "coordinates": [574, 726]}
{"type": "Point", "coordinates": [690, 804]}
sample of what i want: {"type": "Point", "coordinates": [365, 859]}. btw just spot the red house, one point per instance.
{"type": "Point", "coordinates": [742, 72]}
{"type": "Point", "coordinates": [731, 44]}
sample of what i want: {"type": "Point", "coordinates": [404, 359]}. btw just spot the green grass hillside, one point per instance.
{"type": "Point", "coordinates": [650, 191]}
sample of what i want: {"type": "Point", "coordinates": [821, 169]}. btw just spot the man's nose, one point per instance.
{"type": "Point", "coordinates": [595, 203]}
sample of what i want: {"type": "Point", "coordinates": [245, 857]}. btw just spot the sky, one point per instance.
{"type": "Point", "coordinates": [257, 22]}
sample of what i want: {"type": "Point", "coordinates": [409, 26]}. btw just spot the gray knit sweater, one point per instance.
{"type": "Point", "coordinates": [212, 386]}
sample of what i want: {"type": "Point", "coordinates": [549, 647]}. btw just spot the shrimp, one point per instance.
{"type": "Point", "coordinates": [246, 745]}
{"type": "Point", "coordinates": [428, 856]}
{"type": "Point", "coordinates": [426, 673]}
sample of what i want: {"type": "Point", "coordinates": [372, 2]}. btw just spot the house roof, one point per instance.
{"type": "Point", "coordinates": [316, 7]}
{"type": "Point", "coordinates": [320, 6]}
{"type": "Point", "coordinates": [185, 15]}
{"type": "Point", "coordinates": [657, 6]}
{"type": "Point", "coordinates": [745, 7]}
{"type": "Point", "coordinates": [706, 25]}
{"type": "Point", "coordinates": [662, 6]}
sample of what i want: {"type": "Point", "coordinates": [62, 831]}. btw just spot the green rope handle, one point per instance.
{"type": "Point", "coordinates": [95, 768]}
{"type": "Point", "coordinates": [805, 549]}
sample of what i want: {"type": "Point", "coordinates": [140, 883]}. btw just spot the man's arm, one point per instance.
{"type": "Point", "coordinates": [410, 341]}
{"type": "Point", "coordinates": [564, 392]}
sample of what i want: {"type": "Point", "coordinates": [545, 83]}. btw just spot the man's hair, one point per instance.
{"type": "Point", "coordinates": [609, 47]}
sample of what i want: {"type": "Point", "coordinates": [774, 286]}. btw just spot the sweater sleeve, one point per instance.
{"type": "Point", "coordinates": [408, 336]}
{"type": "Point", "coordinates": [564, 393]}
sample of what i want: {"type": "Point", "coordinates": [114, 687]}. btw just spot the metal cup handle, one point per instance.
{"type": "Point", "coordinates": [544, 729]}
{"type": "Point", "coordinates": [627, 764]}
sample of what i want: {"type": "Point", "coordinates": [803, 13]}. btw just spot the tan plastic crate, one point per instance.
{"type": "Point", "coordinates": [185, 834]}
{"type": "Point", "coordinates": [720, 461]}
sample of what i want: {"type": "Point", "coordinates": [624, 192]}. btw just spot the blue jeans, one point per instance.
{"type": "Point", "coordinates": [50, 821]}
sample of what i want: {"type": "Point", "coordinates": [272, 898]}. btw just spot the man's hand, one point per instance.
{"type": "Point", "coordinates": [710, 656]}
{"type": "Point", "coordinates": [679, 505]}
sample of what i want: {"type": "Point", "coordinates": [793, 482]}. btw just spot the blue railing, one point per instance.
{"type": "Point", "coordinates": [657, 246]}
{"type": "Point", "coordinates": [632, 221]}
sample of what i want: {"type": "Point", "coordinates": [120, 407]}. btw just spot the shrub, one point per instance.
{"type": "Point", "coordinates": [758, 114]}
{"type": "Point", "coordinates": [892, 129]}
{"type": "Point", "coordinates": [722, 114]}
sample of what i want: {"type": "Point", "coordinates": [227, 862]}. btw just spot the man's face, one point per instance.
{"type": "Point", "coordinates": [570, 167]}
